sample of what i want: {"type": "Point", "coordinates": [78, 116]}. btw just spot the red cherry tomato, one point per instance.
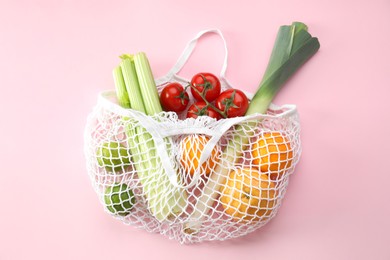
{"type": "Point", "coordinates": [234, 101]}
{"type": "Point", "coordinates": [205, 83]}
{"type": "Point", "coordinates": [200, 108]}
{"type": "Point", "coordinates": [174, 98]}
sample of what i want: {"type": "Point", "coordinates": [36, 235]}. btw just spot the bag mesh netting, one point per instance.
{"type": "Point", "coordinates": [191, 180]}
{"type": "Point", "coordinates": [195, 179]}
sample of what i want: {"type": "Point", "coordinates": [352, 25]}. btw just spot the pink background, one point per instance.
{"type": "Point", "coordinates": [55, 56]}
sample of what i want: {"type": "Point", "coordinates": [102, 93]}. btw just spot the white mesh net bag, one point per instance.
{"type": "Point", "coordinates": [195, 179]}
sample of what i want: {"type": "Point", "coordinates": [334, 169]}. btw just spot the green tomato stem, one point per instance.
{"type": "Point", "coordinates": [222, 113]}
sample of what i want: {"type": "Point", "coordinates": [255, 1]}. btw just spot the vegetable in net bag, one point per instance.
{"type": "Point", "coordinates": [195, 179]}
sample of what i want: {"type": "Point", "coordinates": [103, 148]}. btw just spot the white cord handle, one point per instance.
{"type": "Point", "coordinates": [189, 49]}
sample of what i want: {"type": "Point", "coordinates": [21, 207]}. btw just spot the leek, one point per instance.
{"type": "Point", "coordinates": [164, 199]}
{"type": "Point", "coordinates": [292, 48]}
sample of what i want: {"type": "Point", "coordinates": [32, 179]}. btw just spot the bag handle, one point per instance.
{"type": "Point", "coordinates": [189, 49]}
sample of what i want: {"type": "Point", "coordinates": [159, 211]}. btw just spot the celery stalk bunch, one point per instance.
{"type": "Point", "coordinates": [136, 89]}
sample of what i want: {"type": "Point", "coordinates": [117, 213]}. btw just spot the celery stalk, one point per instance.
{"type": "Point", "coordinates": [121, 92]}
{"type": "Point", "coordinates": [293, 47]}
{"type": "Point", "coordinates": [132, 85]}
{"type": "Point", "coordinates": [147, 84]}
{"type": "Point", "coordinates": [124, 101]}
{"type": "Point", "coordinates": [164, 200]}
{"type": "Point", "coordinates": [173, 200]}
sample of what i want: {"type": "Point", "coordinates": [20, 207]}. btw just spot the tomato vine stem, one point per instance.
{"type": "Point", "coordinates": [222, 113]}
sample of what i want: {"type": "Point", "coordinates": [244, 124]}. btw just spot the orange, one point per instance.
{"type": "Point", "coordinates": [272, 152]}
{"type": "Point", "coordinates": [248, 195]}
{"type": "Point", "coordinates": [192, 147]}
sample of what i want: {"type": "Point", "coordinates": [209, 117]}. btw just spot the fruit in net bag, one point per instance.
{"type": "Point", "coordinates": [119, 199]}
{"type": "Point", "coordinates": [248, 195]}
{"type": "Point", "coordinates": [112, 156]}
{"type": "Point", "coordinates": [192, 147]}
{"type": "Point", "coordinates": [272, 152]}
